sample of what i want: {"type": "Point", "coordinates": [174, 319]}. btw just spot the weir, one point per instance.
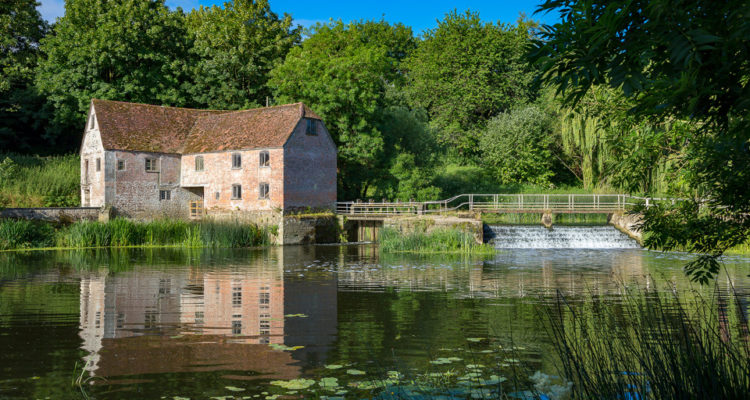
{"type": "Point", "coordinates": [559, 237]}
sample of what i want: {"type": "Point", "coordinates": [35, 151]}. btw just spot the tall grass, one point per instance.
{"type": "Point", "coordinates": [655, 346]}
{"type": "Point", "coordinates": [33, 181]}
{"type": "Point", "coordinates": [437, 241]}
{"type": "Point", "coordinates": [20, 234]}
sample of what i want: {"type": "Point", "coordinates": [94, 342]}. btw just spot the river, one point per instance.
{"type": "Point", "coordinates": [337, 321]}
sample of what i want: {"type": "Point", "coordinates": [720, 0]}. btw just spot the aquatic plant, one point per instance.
{"type": "Point", "coordinates": [654, 346]}
{"type": "Point", "coordinates": [436, 241]}
{"type": "Point", "coordinates": [23, 234]}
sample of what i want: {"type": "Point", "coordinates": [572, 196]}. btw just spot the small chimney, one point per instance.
{"type": "Point", "coordinates": [301, 110]}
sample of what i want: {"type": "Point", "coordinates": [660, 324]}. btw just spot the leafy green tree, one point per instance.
{"type": "Point", "coordinates": [685, 60]}
{"type": "Point", "coordinates": [466, 71]}
{"type": "Point", "coordinates": [344, 71]}
{"type": "Point", "coordinates": [21, 28]}
{"type": "Point", "coordinates": [130, 50]}
{"type": "Point", "coordinates": [517, 146]}
{"type": "Point", "coordinates": [235, 48]}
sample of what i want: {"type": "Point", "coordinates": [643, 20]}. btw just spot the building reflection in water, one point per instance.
{"type": "Point", "coordinates": [199, 319]}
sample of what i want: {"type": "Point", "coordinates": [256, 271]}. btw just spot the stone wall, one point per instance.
{"type": "Point", "coordinates": [628, 224]}
{"type": "Point", "coordinates": [309, 169]}
{"type": "Point", "coordinates": [309, 230]}
{"type": "Point", "coordinates": [65, 214]}
{"type": "Point", "coordinates": [429, 223]}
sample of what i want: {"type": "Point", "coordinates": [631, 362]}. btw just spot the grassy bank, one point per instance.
{"type": "Point", "coordinates": [451, 241]}
{"type": "Point", "coordinates": [675, 346]}
{"type": "Point", "coordinates": [22, 234]}
{"type": "Point", "coordinates": [33, 181]}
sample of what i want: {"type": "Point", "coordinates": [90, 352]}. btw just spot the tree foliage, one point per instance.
{"type": "Point", "coordinates": [684, 60]}
{"type": "Point", "coordinates": [21, 28]}
{"type": "Point", "coordinates": [130, 50]}
{"type": "Point", "coordinates": [235, 49]}
{"type": "Point", "coordinates": [343, 72]}
{"type": "Point", "coordinates": [466, 71]}
{"type": "Point", "coordinates": [517, 146]}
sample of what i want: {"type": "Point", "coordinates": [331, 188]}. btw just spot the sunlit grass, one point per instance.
{"type": "Point", "coordinates": [451, 241]}
{"type": "Point", "coordinates": [34, 181]}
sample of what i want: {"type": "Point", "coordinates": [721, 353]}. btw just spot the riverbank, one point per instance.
{"type": "Point", "coordinates": [119, 232]}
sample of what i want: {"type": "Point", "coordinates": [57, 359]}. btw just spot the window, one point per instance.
{"type": "Point", "coordinates": [265, 159]}
{"type": "Point", "coordinates": [151, 165]}
{"type": "Point", "coordinates": [217, 195]}
{"type": "Point", "coordinates": [98, 164]}
{"type": "Point", "coordinates": [199, 163]}
{"type": "Point", "coordinates": [263, 191]}
{"type": "Point", "coordinates": [199, 317]}
{"type": "Point", "coordinates": [120, 165]}
{"type": "Point", "coordinates": [236, 160]}
{"type": "Point", "coordinates": [264, 298]}
{"type": "Point", "coordinates": [165, 195]}
{"type": "Point", "coordinates": [92, 121]}
{"type": "Point", "coordinates": [236, 192]}
{"type": "Point", "coordinates": [311, 127]}
{"type": "Point", "coordinates": [236, 296]}
{"type": "Point", "coordinates": [236, 327]}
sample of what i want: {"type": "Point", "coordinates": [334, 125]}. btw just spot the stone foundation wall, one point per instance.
{"type": "Point", "coordinates": [628, 224]}
{"type": "Point", "coordinates": [65, 214]}
{"type": "Point", "coordinates": [429, 223]}
{"type": "Point", "coordinates": [308, 230]}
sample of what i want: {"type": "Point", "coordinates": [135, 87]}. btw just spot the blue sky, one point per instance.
{"type": "Point", "coordinates": [419, 15]}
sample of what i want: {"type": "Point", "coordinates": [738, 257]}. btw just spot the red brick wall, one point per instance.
{"type": "Point", "coordinates": [309, 169]}
{"type": "Point", "coordinates": [219, 176]}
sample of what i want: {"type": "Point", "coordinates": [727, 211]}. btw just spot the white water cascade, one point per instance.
{"type": "Point", "coordinates": [560, 237]}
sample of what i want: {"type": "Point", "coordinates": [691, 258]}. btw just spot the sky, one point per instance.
{"type": "Point", "coordinates": [420, 15]}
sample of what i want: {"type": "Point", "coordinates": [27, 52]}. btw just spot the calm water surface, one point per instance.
{"type": "Point", "coordinates": [160, 323]}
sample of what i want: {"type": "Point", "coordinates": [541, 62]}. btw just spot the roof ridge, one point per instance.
{"type": "Point", "coordinates": [200, 109]}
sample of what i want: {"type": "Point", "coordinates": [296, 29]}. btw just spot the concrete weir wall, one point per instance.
{"type": "Point", "coordinates": [429, 223]}
{"type": "Point", "coordinates": [628, 224]}
{"type": "Point", "coordinates": [55, 213]}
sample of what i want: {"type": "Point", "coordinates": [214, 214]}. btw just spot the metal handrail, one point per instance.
{"type": "Point", "coordinates": [568, 202]}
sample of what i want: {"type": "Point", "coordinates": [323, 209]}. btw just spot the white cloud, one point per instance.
{"type": "Point", "coordinates": [51, 9]}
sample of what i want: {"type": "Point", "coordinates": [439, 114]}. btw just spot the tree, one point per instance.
{"type": "Point", "coordinates": [21, 28]}
{"type": "Point", "coordinates": [685, 60]}
{"type": "Point", "coordinates": [466, 71]}
{"type": "Point", "coordinates": [130, 50]}
{"type": "Point", "coordinates": [235, 48]}
{"type": "Point", "coordinates": [343, 71]}
{"type": "Point", "coordinates": [517, 146]}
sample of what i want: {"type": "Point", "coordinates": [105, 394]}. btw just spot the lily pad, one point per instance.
{"type": "Point", "coordinates": [294, 384]}
{"type": "Point", "coordinates": [329, 383]}
{"type": "Point", "coordinates": [474, 339]}
{"type": "Point", "coordinates": [295, 316]}
{"type": "Point", "coordinates": [334, 366]}
{"type": "Point", "coordinates": [234, 388]}
{"type": "Point", "coordinates": [353, 371]}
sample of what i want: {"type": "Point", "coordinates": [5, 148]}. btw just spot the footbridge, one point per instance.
{"type": "Point", "coordinates": [500, 203]}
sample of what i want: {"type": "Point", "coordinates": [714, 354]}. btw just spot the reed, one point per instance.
{"type": "Point", "coordinates": [437, 241]}
{"type": "Point", "coordinates": [120, 232]}
{"type": "Point", "coordinates": [654, 346]}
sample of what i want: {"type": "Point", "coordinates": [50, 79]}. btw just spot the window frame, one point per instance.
{"type": "Point", "coordinates": [120, 165]}
{"type": "Point", "coordinates": [199, 162]}
{"type": "Point", "coordinates": [312, 127]}
{"type": "Point", "coordinates": [98, 164]}
{"type": "Point", "coordinates": [261, 194]}
{"type": "Point", "coordinates": [236, 191]}
{"type": "Point", "coordinates": [165, 194]}
{"type": "Point", "coordinates": [151, 162]}
{"type": "Point", "coordinates": [236, 160]}
{"type": "Point", "coordinates": [264, 159]}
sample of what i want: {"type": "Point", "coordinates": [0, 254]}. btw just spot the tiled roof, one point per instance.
{"type": "Point", "coordinates": [143, 127]}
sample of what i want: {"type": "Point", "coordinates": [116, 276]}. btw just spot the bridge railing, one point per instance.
{"type": "Point", "coordinates": [501, 203]}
